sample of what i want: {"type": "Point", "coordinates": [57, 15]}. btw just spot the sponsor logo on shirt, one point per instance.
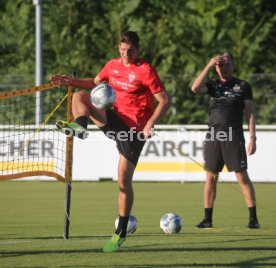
{"type": "Point", "coordinates": [120, 84]}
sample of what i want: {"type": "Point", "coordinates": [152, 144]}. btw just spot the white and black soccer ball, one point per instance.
{"type": "Point", "coordinates": [131, 226]}
{"type": "Point", "coordinates": [171, 223]}
{"type": "Point", "coordinates": [103, 96]}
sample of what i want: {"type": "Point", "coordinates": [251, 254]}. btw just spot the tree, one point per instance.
{"type": "Point", "coordinates": [178, 37]}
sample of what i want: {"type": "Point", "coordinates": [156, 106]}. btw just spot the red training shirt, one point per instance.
{"type": "Point", "coordinates": [134, 86]}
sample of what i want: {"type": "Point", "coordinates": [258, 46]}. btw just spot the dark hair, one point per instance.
{"type": "Point", "coordinates": [227, 54]}
{"type": "Point", "coordinates": [129, 37]}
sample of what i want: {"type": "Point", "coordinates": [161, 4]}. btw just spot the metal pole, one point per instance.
{"type": "Point", "coordinates": [69, 164]}
{"type": "Point", "coordinates": [67, 210]}
{"type": "Point", "coordinates": [38, 59]}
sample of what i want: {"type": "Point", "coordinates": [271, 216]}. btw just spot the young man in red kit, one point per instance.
{"type": "Point", "coordinates": [136, 84]}
{"type": "Point", "coordinates": [229, 98]}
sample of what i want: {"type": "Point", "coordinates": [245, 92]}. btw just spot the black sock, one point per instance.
{"type": "Point", "coordinates": [253, 213]}
{"type": "Point", "coordinates": [122, 226]}
{"type": "Point", "coordinates": [82, 121]}
{"type": "Point", "coordinates": [208, 214]}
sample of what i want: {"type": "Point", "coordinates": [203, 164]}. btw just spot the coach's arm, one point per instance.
{"type": "Point", "coordinates": [198, 85]}
{"type": "Point", "coordinates": [251, 148]}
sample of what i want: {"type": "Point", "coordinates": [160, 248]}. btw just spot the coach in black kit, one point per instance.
{"type": "Point", "coordinates": [224, 143]}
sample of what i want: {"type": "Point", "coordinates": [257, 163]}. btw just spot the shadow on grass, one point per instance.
{"type": "Point", "coordinates": [53, 237]}
{"type": "Point", "coordinates": [159, 248]}
{"type": "Point", "coordinates": [137, 249]}
{"type": "Point", "coordinates": [159, 234]}
{"type": "Point", "coordinates": [5, 254]}
{"type": "Point", "coordinates": [257, 262]}
{"type": "Point", "coordinates": [240, 238]}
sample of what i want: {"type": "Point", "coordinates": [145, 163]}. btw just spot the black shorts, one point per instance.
{"type": "Point", "coordinates": [129, 143]}
{"type": "Point", "coordinates": [231, 153]}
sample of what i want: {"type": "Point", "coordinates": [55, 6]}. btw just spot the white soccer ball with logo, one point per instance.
{"type": "Point", "coordinates": [171, 223]}
{"type": "Point", "coordinates": [103, 96]}
{"type": "Point", "coordinates": [131, 226]}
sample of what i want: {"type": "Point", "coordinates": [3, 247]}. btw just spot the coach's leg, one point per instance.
{"type": "Point", "coordinates": [247, 188]}
{"type": "Point", "coordinates": [126, 195]}
{"type": "Point", "coordinates": [210, 190]}
{"type": "Point", "coordinates": [249, 197]}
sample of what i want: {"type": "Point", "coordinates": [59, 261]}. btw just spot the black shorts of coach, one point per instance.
{"type": "Point", "coordinates": [230, 152]}
{"type": "Point", "coordinates": [130, 146]}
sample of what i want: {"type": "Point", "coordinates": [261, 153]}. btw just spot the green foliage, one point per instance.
{"type": "Point", "coordinates": [178, 37]}
{"type": "Point", "coordinates": [265, 93]}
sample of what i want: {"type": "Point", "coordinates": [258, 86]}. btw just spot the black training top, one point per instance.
{"type": "Point", "coordinates": [227, 103]}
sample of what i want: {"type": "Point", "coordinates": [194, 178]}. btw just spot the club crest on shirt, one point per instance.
{"type": "Point", "coordinates": [237, 88]}
{"type": "Point", "coordinates": [131, 77]}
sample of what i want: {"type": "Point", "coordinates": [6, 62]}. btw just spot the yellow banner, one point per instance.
{"type": "Point", "coordinates": [27, 166]}
{"type": "Point", "coordinates": [171, 167]}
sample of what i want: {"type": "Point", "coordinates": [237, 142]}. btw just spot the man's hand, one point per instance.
{"type": "Point", "coordinates": [63, 80]}
{"type": "Point", "coordinates": [215, 61]}
{"type": "Point", "coordinates": [251, 148]}
{"type": "Point", "coordinates": [148, 131]}
{"type": "Point", "coordinates": [218, 60]}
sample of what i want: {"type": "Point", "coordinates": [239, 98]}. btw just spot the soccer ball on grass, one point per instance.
{"type": "Point", "coordinates": [171, 223]}
{"type": "Point", "coordinates": [131, 226]}
{"type": "Point", "coordinates": [103, 96]}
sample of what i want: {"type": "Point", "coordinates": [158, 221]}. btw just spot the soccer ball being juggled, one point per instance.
{"type": "Point", "coordinates": [171, 223]}
{"type": "Point", "coordinates": [131, 226]}
{"type": "Point", "coordinates": [103, 96]}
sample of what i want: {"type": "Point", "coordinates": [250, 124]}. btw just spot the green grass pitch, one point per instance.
{"type": "Point", "coordinates": [32, 220]}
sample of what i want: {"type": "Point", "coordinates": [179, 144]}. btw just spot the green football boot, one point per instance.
{"type": "Point", "coordinates": [72, 129]}
{"type": "Point", "coordinates": [114, 243]}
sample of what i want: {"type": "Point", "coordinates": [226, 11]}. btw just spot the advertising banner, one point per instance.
{"type": "Point", "coordinates": [175, 153]}
{"type": "Point", "coordinates": [171, 155]}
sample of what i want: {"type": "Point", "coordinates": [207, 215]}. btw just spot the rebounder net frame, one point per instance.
{"type": "Point", "coordinates": [27, 149]}
{"type": "Point", "coordinates": [37, 150]}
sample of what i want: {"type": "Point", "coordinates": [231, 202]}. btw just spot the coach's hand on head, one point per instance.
{"type": "Point", "coordinates": [216, 60]}
{"type": "Point", "coordinates": [63, 80]}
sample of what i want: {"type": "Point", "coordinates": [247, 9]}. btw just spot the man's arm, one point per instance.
{"type": "Point", "coordinates": [164, 103]}
{"type": "Point", "coordinates": [65, 80]}
{"type": "Point", "coordinates": [198, 85]}
{"type": "Point", "coordinates": [251, 148]}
